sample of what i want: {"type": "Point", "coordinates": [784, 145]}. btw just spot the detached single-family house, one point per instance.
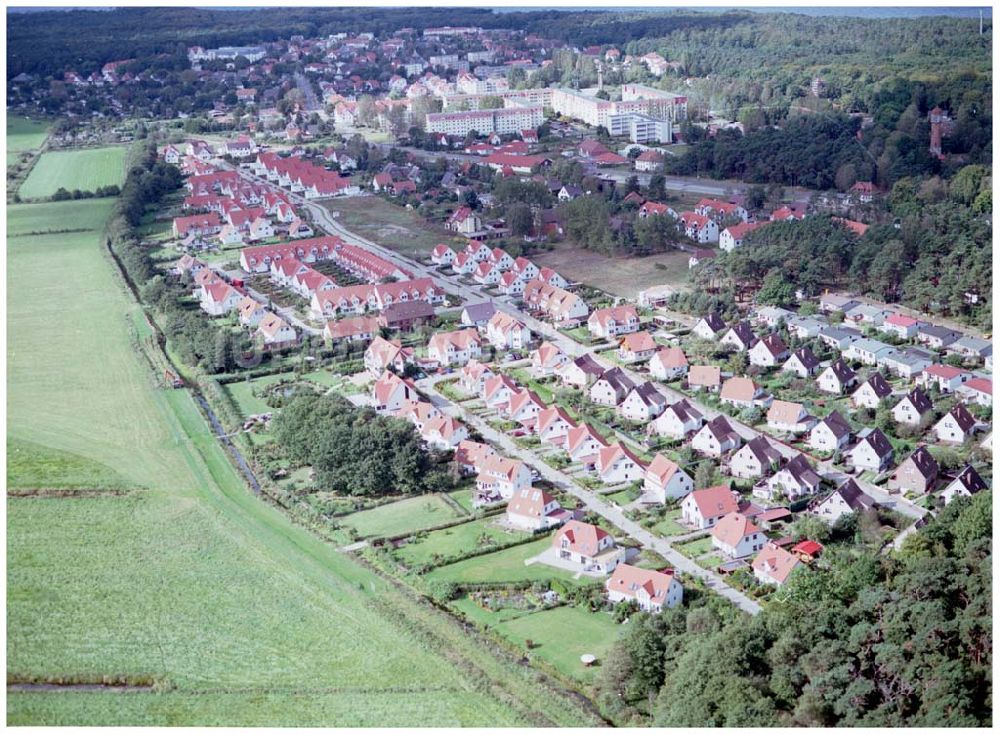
{"type": "Point", "coordinates": [872, 392]}
{"type": "Point", "coordinates": [677, 421]}
{"type": "Point", "coordinates": [742, 393]}
{"type": "Point", "coordinates": [547, 359]}
{"type": "Point", "coordinates": [904, 327]}
{"type": "Point", "coordinates": [788, 417]}
{"type": "Point", "coordinates": [704, 377]}
{"type": "Point", "coordinates": [455, 348]}
{"type": "Point", "coordinates": [831, 434]}
{"type": "Point", "coordinates": [836, 378]}
{"type": "Point", "coordinates": [382, 354]}
{"type": "Point", "coordinates": [802, 363]}
{"type": "Point", "coordinates": [848, 498]}
{"type": "Point", "coordinates": [937, 337]}
{"type": "Point", "coordinates": [977, 390]}
{"type": "Point", "coordinates": [774, 565]}
{"type": "Point", "coordinates": [740, 336]}
{"type": "Point", "coordinates": [613, 321]}
{"type": "Point", "coordinates": [754, 459]}
{"type": "Point", "coordinates": [946, 377]}
{"type": "Point", "coordinates": [507, 333]}
{"type": "Point", "coordinates": [668, 363]}
{"type": "Point", "coordinates": [643, 403]}
{"type": "Point", "coordinates": [473, 376]}
{"type": "Point", "coordinates": [736, 536]}
{"type": "Point", "coordinates": [636, 347]}
{"type": "Point", "coordinates": [912, 408]}
{"type": "Point", "coordinates": [710, 327]}
{"type": "Point", "coordinates": [497, 392]}
{"type": "Point", "coordinates": [716, 438]}
{"type": "Point", "coordinates": [553, 424]}
{"type": "Point", "coordinates": [966, 484]}
{"type": "Point", "coordinates": [588, 547]}
{"type": "Point", "coordinates": [611, 388]}
{"type": "Point", "coordinates": [478, 315]}
{"type": "Point", "coordinates": [768, 352]}
{"type": "Point", "coordinates": [583, 442]}
{"type": "Point", "coordinates": [617, 463]}
{"type": "Point", "coordinates": [665, 479]}
{"type": "Point", "coordinates": [524, 406]}
{"type": "Point", "coordinates": [390, 392]}
{"type": "Point", "coordinates": [706, 507]}
{"type": "Point", "coordinates": [581, 372]}
{"type": "Point", "coordinates": [795, 479]}
{"type": "Point", "coordinates": [532, 509]}
{"type": "Point", "coordinates": [871, 452]}
{"type": "Point", "coordinates": [955, 426]}
{"type": "Point", "coordinates": [917, 474]}
{"type": "Point", "coordinates": [650, 590]}
{"type": "Point", "coordinates": [442, 255]}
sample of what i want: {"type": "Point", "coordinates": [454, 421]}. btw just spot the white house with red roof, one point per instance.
{"type": "Point", "coordinates": [524, 406]}
{"type": "Point", "coordinates": [733, 236]}
{"type": "Point", "coordinates": [382, 354]}
{"type": "Point", "coordinates": [444, 433]}
{"type": "Point", "coordinates": [455, 348]}
{"type": "Point", "coordinates": [442, 255]}
{"type": "Point", "coordinates": [473, 377]}
{"type": "Point", "coordinates": [613, 321]}
{"type": "Point", "coordinates": [583, 442]}
{"type": "Point", "coordinates": [588, 547]}
{"type": "Point", "coordinates": [547, 359]}
{"type": "Point", "coordinates": [706, 507]}
{"type": "Point", "coordinates": [665, 479]}
{"type": "Point", "coordinates": [532, 509]}
{"type": "Point", "coordinates": [946, 377]}
{"type": "Point", "coordinates": [719, 210]}
{"type": "Point", "coordinates": [507, 333]}
{"type": "Point", "coordinates": [274, 333]}
{"type": "Point", "coordinates": [773, 565]}
{"type": "Point", "coordinates": [650, 590]}
{"type": "Point", "coordinates": [699, 227]}
{"type": "Point", "coordinates": [736, 536]}
{"type": "Point", "coordinates": [978, 390]}
{"type": "Point", "coordinates": [904, 327]}
{"type": "Point", "coordinates": [668, 363]}
{"type": "Point", "coordinates": [497, 392]}
{"type": "Point", "coordinates": [218, 298]}
{"type": "Point", "coordinates": [769, 351]}
{"type": "Point", "coordinates": [617, 463]}
{"type": "Point", "coordinates": [553, 425]}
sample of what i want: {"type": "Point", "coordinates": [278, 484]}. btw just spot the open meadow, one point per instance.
{"type": "Point", "coordinates": [24, 135]}
{"type": "Point", "coordinates": [402, 516]}
{"type": "Point", "coordinates": [390, 225]}
{"type": "Point", "coordinates": [619, 276]}
{"type": "Point", "coordinates": [85, 169]}
{"type": "Point", "coordinates": [186, 580]}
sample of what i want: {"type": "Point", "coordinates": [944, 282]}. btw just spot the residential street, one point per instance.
{"type": "Point", "coordinates": [591, 500]}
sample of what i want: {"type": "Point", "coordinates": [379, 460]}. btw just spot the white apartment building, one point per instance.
{"type": "Point", "coordinates": [504, 122]}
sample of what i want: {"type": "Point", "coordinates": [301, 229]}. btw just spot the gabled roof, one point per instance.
{"type": "Point", "coordinates": [919, 400]}
{"type": "Point", "coordinates": [739, 389]}
{"type": "Point", "coordinates": [662, 469]}
{"type": "Point", "coordinates": [714, 501]}
{"type": "Point", "coordinates": [705, 375]}
{"type": "Point", "coordinates": [842, 371]}
{"type": "Point", "coordinates": [671, 357]}
{"type": "Point", "coordinates": [775, 563]}
{"type": "Point", "coordinates": [617, 379]}
{"type": "Point", "coordinates": [962, 417]}
{"type": "Point", "coordinates": [805, 356]}
{"type": "Point", "coordinates": [970, 480]}
{"type": "Point", "coordinates": [583, 538]}
{"type": "Point", "coordinates": [877, 441]}
{"type": "Point", "coordinates": [878, 384]}
{"type": "Point", "coordinates": [628, 580]}
{"type": "Point", "coordinates": [837, 425]}
{"type": "Point", "coordinates": [762, 450]}
{"type": "Point", "coordinates": [720, 428]}
{"type": "Point", "coordinates": [732, 528]}
{"type": "Point", "coordinates": [924, 462]}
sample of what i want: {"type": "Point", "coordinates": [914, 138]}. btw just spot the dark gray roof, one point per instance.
{"type": "Point", "coordinates": [480, 312]}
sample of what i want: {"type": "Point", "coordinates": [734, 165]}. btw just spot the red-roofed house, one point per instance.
{"type": "Point", "coordinates": [706, 507]}
{"type": "Point", "coordinates": [650, 590]}
{"type": "Point", "coordinates": [587, 546]}
{"type": "Point", "coordinates": [736, 536]}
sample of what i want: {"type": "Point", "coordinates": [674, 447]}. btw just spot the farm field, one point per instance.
{"type": "Point", "coordinates": [167, 582]}
{"type": "Point", "coordinates": [455, 540]}
{"type": "Point", "coordinates": [81, 215]}
{"type": "Point", "coordinates": [504, 566]}
{"type": "Point", "coordinates": [618, 276]}
{"type": "Point", "coordinates": [85, 169]}
{"type": "Point", "coordinates": [390, 225]}
{"type": "Point", "coordinates": [23, 135]}
{"type": "Point", "coordinates": [402, 516]}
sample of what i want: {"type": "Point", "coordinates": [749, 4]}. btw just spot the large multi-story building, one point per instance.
{"type": "Point", "coordinates": [641, 128]}
{"type": "Point", "coordinates": [541, 96]}
{"type": "Point", "coordinates": [636, 99]}
{"type": "Point", "coordinates": [506, 121]}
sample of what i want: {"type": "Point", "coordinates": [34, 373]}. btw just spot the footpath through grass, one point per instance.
{"type": "Point", "coordinates": [190, 581]}
{"type": "Point", "coordinates": [86, 169]}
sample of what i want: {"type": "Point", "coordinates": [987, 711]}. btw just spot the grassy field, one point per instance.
{"type": "Point", "coordinates": [455, 540]}
{"type": "Point", "coordinates": [82, 215]}
{"type": "Point", "coordinates": [563, 634]}
{"type": "Point", "coordinates": [503, 566]}
{"type": "Point", "coordinates": [248, 403]}
{"type": "Point", "coordinates": [85, 169]}
{"type": "Point", "coordinates": [403, 516]}
{"type": "Point", "coordinates": [23, 135]}
{"type": "Point", "coordinates": [618, 276]}
{"type": "Point", "coordinates": [391, 226]}
{"type": "Point", "coordinates": [669, 525]}
{"type": "Point", "coordinates": [247, 618]}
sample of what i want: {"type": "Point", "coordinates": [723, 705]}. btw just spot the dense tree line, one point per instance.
{"type": "Point", "coordinates": [352, 450]}
{"type": "Point", "coordinates": [935, 256]}
{"type": "Point", "coordinates": [860, 640]}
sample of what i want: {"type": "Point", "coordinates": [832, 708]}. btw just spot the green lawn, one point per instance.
{"type": "Point", "coordinates": [246, 617]}
{"type": "Point", "coordinates": [455, 540]}
{"type": "Point", "coordinates": [692, 549]}
{"type": "Point", "coordinates": [463, 496]}
{"type": "Point", "coordinates": [85, 169]}
{"type": "Point", "coordinates": [78, 215]}
{"type": "Point", "coordinates": [503, 566]}
{"type": "Point", "coordinates": [242, 391]}
{"type": "Point", "coordinates": [24, 135]}
{"type": "Point", "coordinates": [563, 634]}
{"type": "Point", "coordinates": [402, 516]}
{"type": "Point", "coordinates": [669, 525]}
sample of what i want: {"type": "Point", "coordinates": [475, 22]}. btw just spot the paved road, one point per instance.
{"type": "Point", "coordinates": [306, 87]}
{"type": "Point", "coordinates": [592, 501]}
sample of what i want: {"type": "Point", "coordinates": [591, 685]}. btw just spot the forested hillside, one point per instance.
{"type": "Point", "coordinates": [902, 640]}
